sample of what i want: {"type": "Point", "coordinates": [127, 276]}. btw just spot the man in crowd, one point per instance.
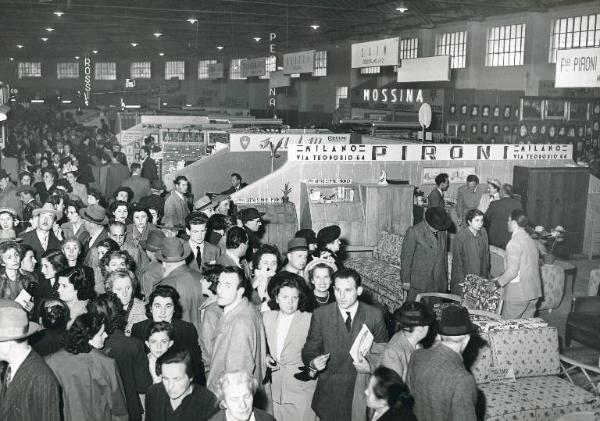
{"type": "Point", "coordinates": [94, 221]}
{"type": "Point", "coordinates": [240, 343]}
{"type": "Point", "coordinates": [297, 256]}
{"type": "Point", "coordinates": [468, 197]}
{"type": "Point", "coordinates": [521, 278]}
{"type": "Point", "coordinates": [46, 187]}
{"type": "Point", "coordinates": [176, 208]}
{"type": "Point", "coordinates": [332, 332]}
{"type": "Point", "coordinates": [116, 173]}
{"type": "Point", "coordinates": [203, 253]}
{"type": "Point", "coordinates": [149, 171]}
{"type": "Point", "coordinates": [251, 219]}
{"type": "Point", "coordinates": [27, 195]}
{"type": "Point", "coordinates": [424, 255]}
{"type": "Point", "coordinates": [236, 184]}
{"type": "Point", "coordinates": [43, 238]}
{"type": "Point", "coordinates": [497, 214]}
{"type": "Point", "coordinates": [29, 390]}
{"type": "Point", "coordinates": [436, 197]}
{"type": "Point", "coordinates": [329, 244]}
{"type": "Point", "coordinates": [152, 274]}
{"type": "Point", "coordinates": [118, 232]}
{"type": "Point", "coordinates": [155, 199]}
{"type": "Point", "coordinates": [173, 252]}
{"type": "Point", "coordinates": [176, 397]}
{"type": "Point", "coordinates": [139, 185]}
{"type": "Point", "coordinates": [441, 386]}
{"type": "Point", "coordinates": [8, 194]}
{"type": "Point", "coordinates": [236, 244]}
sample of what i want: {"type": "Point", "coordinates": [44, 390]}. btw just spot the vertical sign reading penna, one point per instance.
{"type": "Point", "coordinates": [87, 80]}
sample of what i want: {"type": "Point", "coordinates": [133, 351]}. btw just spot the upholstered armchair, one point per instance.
{"type": "Point", "coordinates": [582, 321]}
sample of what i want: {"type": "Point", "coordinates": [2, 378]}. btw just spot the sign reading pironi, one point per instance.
{"type": "Point", "coordinates": [384, 52]}
{"type": "Point", "coordinates": [577, 68]}
{"type": "Point", "coordinates": [429, 152]}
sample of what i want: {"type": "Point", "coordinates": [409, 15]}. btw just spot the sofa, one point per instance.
{"type": "Point", "coordinates": [537, 392]}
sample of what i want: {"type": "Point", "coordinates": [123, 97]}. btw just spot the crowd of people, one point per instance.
{"type": "Point", "coordinates": [121, 302]}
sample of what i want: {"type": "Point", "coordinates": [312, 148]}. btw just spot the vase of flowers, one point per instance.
{"type": "Point", "coordinates": [549, 240]}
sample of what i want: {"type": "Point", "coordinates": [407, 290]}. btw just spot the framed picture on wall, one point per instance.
{"type": "Point", "coordinates": [463, 127]}
{"type": "Point", "coordinates": [507, 111]}
{"type": "Point", "coordinates": [596, 126]}
{"type": "Point", "coordinates": [578, 111]}
{"type": "Point", "coordinates": [597, 108]}
{"type": "Point", "coordinates": [485, 128]}
{"type": "Point", "coordinates": [474, 128]}
{"type": "Point", "coordinates": [463, 109]}
{"type": "Point", "coordinates": [506, 128]}
{"type": "Point", "coordinates": [496, 129]}
{"type": "Point", "coordinates": [485, 111]}
{"type": "Point", "coordinates": [552, 131]}
{"type": "Point", "coordinates": [596, 142]}
{"type": "Point", "coordinates": [555, 109]}
{"type": "Point", "coordinates": [531, 109]}
{"type": "Point", "coordinates": [571, 132]}
{"type": "Point", "coordinates": [543, 130]}
{"type": "Point", "coordinates": [562, 130]}
{"type": "Point", "coordinates": [496, 111]}
{"type": "Point", "coordinates": [452, 129]}
{"type": "Point", "coordinates": [588, 130]}
{"type": "Point", "coordinates": [475, 111]}
{"type": "Point", "coordinates": [516, 113]}
{"type": "Point", "coordinates": [452, 109]}
{"type": "Point", "coordinates": [580, 131]}
{"type": "Point", "coordinates": [523, 130]}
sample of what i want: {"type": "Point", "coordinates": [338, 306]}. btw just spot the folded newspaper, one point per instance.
{"type": "Point", "coordinates": [362, 344]}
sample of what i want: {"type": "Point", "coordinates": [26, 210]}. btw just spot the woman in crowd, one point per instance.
{"type": "Point", "coordinates": [78, 190]}
{"type": "Point", "coordinates": [8, 223]}
{"type": "Point", "coordinates": [119, 211]}
{"type": "Point", "coordinates": [75, 289]}
{"type": "Point", "coordinates": [388, 397]}
{"type": "Point", "coordinates": [123, 194]}
{"type": "Point", "coordinates": [113, 260]}
{"type": "Point", "coordinates": [141, 226]}
{"type": "Point", "coordinates": [104, 246]}
{"type": "Point", "coordinates": [92, 389]}
{"type": "Point", "coordinates": [210, 313]}
{"type": "Point", "coordinates": [494, 186]}
{"type": "Point", "coordinates": [319, 274]}
{"type": "Point", "coordinates": [124, 285]}
{"type": "Point", "coordinates": [215, 228]}
{"type": "Point", "coordinates": [286, 328]}
{"type": "Point", "coordinates": [235, 391]}
{"type": "Point", "coordinates": [52, 262]}
{"type": "Point", "coordinates": [127, 352]}
{"type": "Point", "coordinates": [164, 306]}
{"type": "Point", "coordinates": [71, 248]}
{"type": "Point", "coordinates": [28, 260]}
{"type": "Point", "coordinates": [160, 339]}
{"type": "Point", "coordinates": [54, 316]}
{"type": "Point", "coordinates": [12, 280]}
{"type": "Point", "coordinates": [74, 228]}
{"type": "Point", "coordinates": [412, 326]}
{"type": "Point", "coordinates": [266, 264]}
{"type": "Point", "coordinates": [95, 198]}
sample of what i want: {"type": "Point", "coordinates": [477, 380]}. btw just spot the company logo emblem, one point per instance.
{"type": "Point", "coordinates": [245, 141]}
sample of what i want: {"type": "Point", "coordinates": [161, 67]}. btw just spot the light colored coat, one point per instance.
{"type": "Point", "coordinates": [286, 390]}
{"type": "Point", "coordinates": [522, 259]}
{"type": "Point", "coordinates": [176, 209]}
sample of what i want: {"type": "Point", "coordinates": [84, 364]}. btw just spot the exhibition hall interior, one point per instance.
{"type": "Point", "coordinates": [258, 210]}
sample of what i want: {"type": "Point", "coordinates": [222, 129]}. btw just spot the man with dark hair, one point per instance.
{"type": "Point", "coordinates": [8, 193]}
{"type": "Point", "coordinates": [236, 245]}
{"type": "Point", "coordinates": [468, 197]}
{"type": "Point", "coordinates": [251, 219]}
{"type": "Point", "coordinates": [116, 173]}
{"type": "Point", "coordinates": [521, 278]}
{"type": "Point", "coordinates": [241, 342]}
{"type": "Point", "coordinates": [176, 208]}
{"type": "Point", "coordinates": [497, 214]}
{"type": "Point", "coordinates": [333, 329]}
{"type": "Point", "coordinates": [176, 397]}
{"type": "Point", "coordinates": [155, 199]}
{"type": "Point", "coordinates": [27, 195]}
{"type": "Point", "coordinates": [43, 238]}
{"type": "Point", "coordinates": [139, 185]}
{"type": "Point", "coordinates": [149, 171]}
{"type": "Point", "coordinates": [48, 183]}
{"type": "Point", "coordinates": [436, 197]}
{"type": "Point", "coordinates": [236, 184]}
{"type": "Point", "coordinates": [203, 253]}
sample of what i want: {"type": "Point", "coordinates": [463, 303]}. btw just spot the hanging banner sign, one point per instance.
{"type": "Point", "coordinates": [87, 80]}
{"type": "Point", "coordinates": [301, 62]}
{"type": "Point", "coordinates": [253, 67]}
{"type": "Point", "coordinates": [215, 71]}
{"type": "Point", "coordinates": [426, 69]}
{"type": "Point", "coordinates": [256, 142]}
{"type": "Point", "coordinates": [577, 68]}
{"type": "Point", "coordinates": [430, 152]}
{"type": "Point", "coordinates": [383, 52]}
{"type": "Point", "coordinates": [279, 80]}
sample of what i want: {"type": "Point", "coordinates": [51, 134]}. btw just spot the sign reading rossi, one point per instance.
{"type": "Point", "coordinates": [429, 152]}
{"type": "Point", "coordinates": [253, 142]}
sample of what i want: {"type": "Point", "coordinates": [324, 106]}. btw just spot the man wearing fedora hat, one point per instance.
{"type": "Point", "coordinates": [151, 275]}
{"type": "Point", "coordinates": [413, 320]}
{"type": "Point", "coordinates": [8, 193]}
{"type": "Point", "coordinates": [442, 387]}
{"type": "Point", "coordinates": [94, 220]}
{"type": "Point", "coordinates": [297, 256]}
{"type": "Point", "coordinates": [252, 221]}
{"type": "Point", "coordinates": [42, 238]}
{"type": "Point", "coordinates": [29, 390]}
{"type": "Point", "coordinates": [424, 254]}
{"type": "Point", "coordinates": [173, 252]}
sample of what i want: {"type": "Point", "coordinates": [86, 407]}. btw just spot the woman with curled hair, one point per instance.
{"type": "Point", "coordinates": [127, 352]}
{"type": "Point", "coordinates": [52, 262]}
{"type": "Point", "coordinates": [91, 385]}
{"type": "Point", "coordinates": [235, 391]}
{"type": "Point", "coordinates": [54, 316]}
{"type": "Point", "coordinates": [116, 259]}
{"type": "Point", "coordinates": [120, 211]}
{"type": "Point", "coordinates": [75, 289]}
{"type": "Point", "coordinates": [266, 263]}
{"type": "Point", "coordinates": [124, 285]}
{"type": "Point", "coordinates": [389, 397]}
{"type": "Point", "coordinates": [286, 328]}
{"type": "Point", "coordinates": [319, 274]}
{"type": "Point", "coordinates": [12, 280]}
{"type": "Point", "coordinates": [72, 249]}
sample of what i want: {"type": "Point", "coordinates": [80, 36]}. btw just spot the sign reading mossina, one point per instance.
{"type": "Point", "coordinates": [392, 95]}
{"type": "Point", "coordinates": [429, 152]}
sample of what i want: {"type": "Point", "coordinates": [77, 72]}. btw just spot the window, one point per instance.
{"type": "Point", "coordinates": [235, 70]}
{"type": "Point", "coordinates": [574, 32]}
{"type": "Point", "coordinates": [141, 70]}
{"type": "Point", "coordinates": [320, 64]}
{"type": "Point", "coordinates": [409, 48]}
{"type": "Point", "coordinates": [106, 71]}
{"type": "Point", "coordinates": [505, 45]}
{"type": "Point", "coordinates": [373, 70]}
{"type": "Point", "coordinates": [270, 66]}
{"type": "Point", "coordinates": [30, 70]}
{"type": "Point", "coordinates": [203, 68]}
{"type": "Point", "coordinates": [453, 44]}
{"type": "Point", "coordinates": [175, 69]}
{"type": "Point", "coordinates": [67, 70]}
{"type": "Point", "coordinates": [341, 92]}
